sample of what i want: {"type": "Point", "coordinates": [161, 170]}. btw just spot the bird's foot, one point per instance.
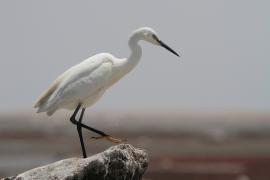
{"type": "Point", "coordinates": [110, 138]}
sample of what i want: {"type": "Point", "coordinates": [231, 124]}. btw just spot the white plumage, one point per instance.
{"type": "Point", "coordinates": [87, 81]}
{"type": "Point", "coordinates": [83, 83]}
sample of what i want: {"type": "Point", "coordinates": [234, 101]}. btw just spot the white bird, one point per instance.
{"type": "Point", "coordinates": [83, 84]}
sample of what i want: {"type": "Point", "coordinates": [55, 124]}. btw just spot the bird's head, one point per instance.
{"type": "Point", "coordinates": [149, 35]}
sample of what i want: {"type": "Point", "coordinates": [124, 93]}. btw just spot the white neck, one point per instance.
{"type": "Point", "coordinates": [136, 51]}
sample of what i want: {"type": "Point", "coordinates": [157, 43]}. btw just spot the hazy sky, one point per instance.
{"type": "Point", "coordinates": [225, 47]}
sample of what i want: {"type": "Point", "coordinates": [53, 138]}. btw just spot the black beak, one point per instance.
{"type": "Point", "coordinates": [165, 45]}
{"type": "Point", "coordinates": [168, 48]}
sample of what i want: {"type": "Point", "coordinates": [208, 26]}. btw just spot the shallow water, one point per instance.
{"type": "Point", "coordinates": [178, 149]}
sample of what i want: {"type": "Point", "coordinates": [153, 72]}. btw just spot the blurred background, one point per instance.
{"type": "Point", "coordinates": [203, 116]}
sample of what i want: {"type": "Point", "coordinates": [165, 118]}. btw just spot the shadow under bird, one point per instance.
{"type": "Point", "coordinates": [83, 84]}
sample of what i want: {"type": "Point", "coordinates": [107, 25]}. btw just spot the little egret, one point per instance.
{"type": "Point", "coordinates": [83, 84]}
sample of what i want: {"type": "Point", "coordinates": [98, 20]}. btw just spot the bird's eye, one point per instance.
{"type": "Point", "coordinates": [154, 37]}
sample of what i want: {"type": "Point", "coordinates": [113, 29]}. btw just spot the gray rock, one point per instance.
{"type": "Point", "coordinates": [116, 163]}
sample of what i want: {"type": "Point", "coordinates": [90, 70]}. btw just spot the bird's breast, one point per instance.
{"type": "Point", "coordinates": [117, 74]}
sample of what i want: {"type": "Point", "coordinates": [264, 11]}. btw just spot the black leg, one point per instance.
{"type": "Point", "coordinates": [80, 125]}
{"type": "Point", "coordinates": [74, 121]}
{"type": "Point", "coordinates": [79, 129]}
{"type": "Point", "coordinates": [73, 117]}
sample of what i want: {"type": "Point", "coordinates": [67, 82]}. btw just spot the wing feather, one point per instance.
{"type": "Point", "coordinates": [46, 94]}
{"type": "Point", "coordinates": [76, 84]}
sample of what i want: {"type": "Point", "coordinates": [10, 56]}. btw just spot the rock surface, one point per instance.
{"type": "Point", "coordinates": [121, 162]}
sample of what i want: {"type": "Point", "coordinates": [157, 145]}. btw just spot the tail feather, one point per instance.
{"type": "Point", "coordinates": [42, 101]}
{"type": "Point", "coordinates": [49, 113]}
{"type": "Point", "coordinates": [48, 110]}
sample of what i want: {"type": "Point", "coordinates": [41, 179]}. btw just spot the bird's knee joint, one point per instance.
{"type": "Point", "coordinates": [73, 120]}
